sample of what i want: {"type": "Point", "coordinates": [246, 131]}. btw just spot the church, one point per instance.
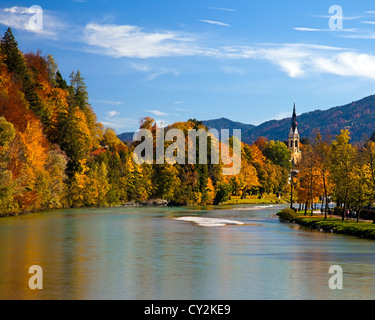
{"type": "Point", "coordinates": [293, 140]}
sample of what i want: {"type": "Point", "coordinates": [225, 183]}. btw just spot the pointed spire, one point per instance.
{"type": "Point", "coordinates": [294, 118]}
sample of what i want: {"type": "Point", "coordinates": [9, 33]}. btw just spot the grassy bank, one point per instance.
{"type": "Point", "coordinates": [265, 199]}
{"type": "Point", "coordinates": [361, 229]}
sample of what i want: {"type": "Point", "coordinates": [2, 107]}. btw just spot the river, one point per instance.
{"type": "Point", "coordinates": [233, 252]}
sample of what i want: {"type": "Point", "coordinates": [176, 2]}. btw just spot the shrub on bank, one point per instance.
{"type": "Point", "coordinates": [367, 214]}
{"type": "Point", "coordinates": [287, 214]}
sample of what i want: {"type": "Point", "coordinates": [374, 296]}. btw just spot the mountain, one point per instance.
{"type": "Point", "coordinates": [224, 123]}
{"type": "Point", "coordinates": [126, 136]}
{"type": "Point", "coordinates": [358, 117]}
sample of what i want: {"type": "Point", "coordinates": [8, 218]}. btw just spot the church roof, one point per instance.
{"type": "Point", "coordinates": [294, 119]}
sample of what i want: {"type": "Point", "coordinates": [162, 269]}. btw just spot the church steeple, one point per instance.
{"type": "Point", "coordinates": [293, 141]}
{"type": "Point", "coordinates": [294, 118]}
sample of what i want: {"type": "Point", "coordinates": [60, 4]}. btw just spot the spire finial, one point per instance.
{"type": "Point", "coordinates": [294, 117]}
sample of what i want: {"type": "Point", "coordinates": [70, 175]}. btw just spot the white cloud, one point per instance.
{"type": "Point", "coordinates": [299, 60]}
{"type": "Point", "coordinates": [368, 22]}
{"type": "Point", "coordinates": [132, 42]}
{"type": "Point", "coordinates": [283, 115]}
{"type": "Point", "coordinates": [324, 30]}
{"type": "Point", "coordinates": [157, 112]}
{"type": "Point", "coordinates": [140, 67]}
{"type": "Point", "coordinates": [162, 123]}
{"type": "Point", "coordinates": [347, 64]}
{"type": "Point", "coordinates": [111, 114]}
{"type": "Point", "coordinates": [218, 23]}
{"type": "Point", "coordinates": [182, 109]}
{"type": "Point", "coordinates": [343, 18]}
{"type": "Point", "coordinates": [309, 29]}
{"type": "Point", "coordinates": [222, 9]}
{"type": "Point", "coordinates": [16, 9]}
{"type": "Point", "coordinates": [233, 70]}
{"type": "Point", "coordinates": [160, 72]}
{"type": "Point", "coordinates": [295, 59]}
{"type": "Point", "coordinates": [364, 35]}
{"type": "Point", "coordinates": [114, 121]}
{"type": "Point", "coordinates": [110, 102]}
{"type": "Point", "coordinates": [153, 72]}
{"type": "Point", "coordinates": [32, 19]}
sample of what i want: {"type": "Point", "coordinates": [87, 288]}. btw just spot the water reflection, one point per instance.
{"type": "Point", "coordinates": [145, 253]}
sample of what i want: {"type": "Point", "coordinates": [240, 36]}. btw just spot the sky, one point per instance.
{"type": "Point", "coordinates": [172, 60]}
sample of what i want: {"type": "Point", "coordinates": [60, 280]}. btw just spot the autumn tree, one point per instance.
{"type": "Point", "coordinates": [342, 161]}
{"type": "Point", "coordinates": [310, 177]}
{"type": "Point", "coordinates": [278, 153]}
{"type": "Point", "coordinates": [369, 159]}
{"type": "Point", "coordinates": [322, 151]}
{"type": "Point", "coordinates": [13, 58]}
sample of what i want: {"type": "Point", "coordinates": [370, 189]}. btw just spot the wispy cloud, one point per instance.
{"type": "Point", "coordinates": [115, 121]}
{"type": "Point", "coordinates": [110, 102]}
{"type": "Point", "coordinates": [160, 72]}
{"type": "Point", "coordinates": [233, 70]}
{"type": "Point", "coordinates": [113, 113]}
{"type": "Point", "coordinates": [24, 18]}
{"type": "Point", "coordinates": [324, 30]}
{"type": "Point", "coordinates": [347, 64]}
{"type": "Point", "coordinates": [131, 41]}
{"type": "Point", "coordinates": [218, 23]}
{"type": "Point", "coordinates": [282, 115]}
{"type": "Point", "coordinates": [153, 72]}
{"type": "Point", "coordinates": [328, 17]}
{"type": "Point", "coordinates": [295, 59]}
{"type": "Point", "coordinates": [308, 29]}
{"type": "Point", "coordinates": [182, 109]}
{"type": "Point", "coordinates": [222, 9]}
{"type": "Point", "coordinates": [157, 112]}
{"type": "Point", "coordinates": [298, 60]}
{"type": "Point", "coordinates": [140, 67]}
{"type": "Point", "coordinates": [343, 18]}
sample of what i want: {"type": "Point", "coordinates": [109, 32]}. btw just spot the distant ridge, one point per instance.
{"type": "Point", "coordinates": [224, 123]}
{"type": "Point", "coordinates": [358, 117]}
{"type": "Point", "coordinates": [126, 136]}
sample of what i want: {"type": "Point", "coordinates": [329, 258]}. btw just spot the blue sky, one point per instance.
{"type": "Point", "coordinates": [178, 59]}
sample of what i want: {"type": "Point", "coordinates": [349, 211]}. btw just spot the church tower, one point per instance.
{"type": "Point", "coordinates": [293, 141]}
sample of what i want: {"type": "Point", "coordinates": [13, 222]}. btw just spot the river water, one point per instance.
{"type": "Point", "coordinates": [234, 252]}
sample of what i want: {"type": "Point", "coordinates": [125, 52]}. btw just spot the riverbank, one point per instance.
{"type": "Point", "coordinates": [266, 199]}
{"type": "Point", "coordinates": [148, 203]}
{"type": "Point", "coordinates": [362, 229]}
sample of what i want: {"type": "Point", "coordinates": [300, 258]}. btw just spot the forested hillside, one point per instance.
{"type": "Point", "coordinates": [358, 117]}
{"type": "Point", "coordinates": [54, 153]}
